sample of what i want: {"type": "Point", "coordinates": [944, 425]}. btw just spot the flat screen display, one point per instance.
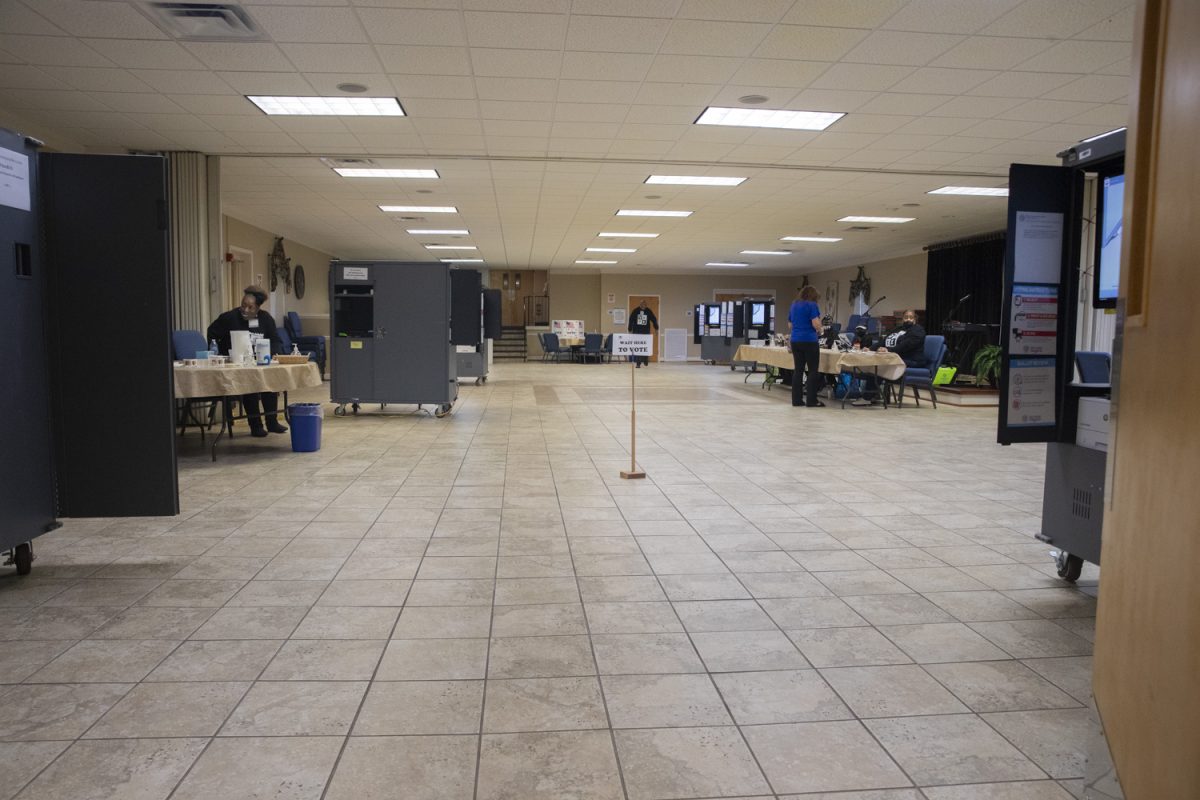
{"type": "Point", "coordinates": [758, 313]}
{"type": "Point", "coordinates": [1108, 271]}
{"type": "Point", "coordinates": [714, 316]}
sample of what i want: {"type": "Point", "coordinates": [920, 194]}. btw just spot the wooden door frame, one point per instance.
{"type": "Point", "coordinates": [658, 332]}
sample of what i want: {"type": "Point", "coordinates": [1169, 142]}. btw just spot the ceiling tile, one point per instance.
{"type": "Point", "coordinates": [698, 69]}
{"type": "Point", "coordinates": [493, 109]}
{"type": "Point", "coordinates": [876, 123]}
{"type": "Point", "coordinates": [536, 6]}
{"type": "Point", "coordinates": [143, 55]}
{"type": "Point", "coordinates": [501, 127]}
{"type": "Point", "coordinates": [440, 107]}
{"type": "Point", "coordinates": [698, 37]}
{"type": "Point", "coordinates": [615, 34]}
{"type": "Point", "coordinates": [977, 107]}
{"type": "Point", "coordinates": [597, 91]}
{"type": "Point", "coordinates": [1054, 19]}
{"type": "Point", "coordinates": [319, 25]}
{"type": "Point", "coordinates": [1105, 117]}
{"type": "Point", "coordinates": [52, 51]}
{"type": "Point", "coordinates": [838, 13]}
{"type": "Point", "coordinates": [590, 112]}
{"type": "Point", "coordinates": [218, 104]}
{"type": "Point", "coordinates": [240, 56]}
{"type": "Point", "coordinates": [696, 95]}
{"type": "Point", "coordinates": [233, 122]}
{"type": "Point", "coordinates": [425, 60]}
{"type": "Point", "coordinates": [516, 31]}
{"type": "Point", "coordinates": [332, 57]}
{"type": "Point", "coordinates": [941, 126]}
{"type": "Point", "coordinates": [948, 16]}
{"type": "Point", "coordinates": [809, 43]}
{"type": "Point", "coordinates": [991, 52]}
{"type": "Point", "coordinates": [863, 77]}
{"type": "Point", "coordinates": [451, 87]}
{"type": "Point", "coordinates": [1021, 84]}
{"type": "Point", "coordinates": [651, 132]}
{"type": "Point", "coordinates": [1045, 110]}
{"type": "Point", "coordinates": [829, 100]}
{"type": "Point", "coordinates": [182, 81]}
{"type": "Point", "coordinates": [1116, 28]}
{"type": "Point", "coordinates": [91, 79]}
{"type": "Point", "coordinates": [515, 89]}
{"type": "Point", "coordinates": [626, 8]}
{"type": "Point", "coordinates": [901, 47]}
{"type": "Point", "coordinates": [613, 66]}
{"type": "Point", "coordinates": [516, 63]}
{"type": "Point", "coordinates": [1092, 88]}
{"type": "Point", "coordinates": [278, 83]}
{"type": "Point", "coordinates": [54, 100]}
{"type": "Point", "coordinates": [1077, 56]}
{"type": "Point", "coordinates": [779, 72]}
{"type": "Point", "coordinates": [934, 80]}
{"type": "Point", "coordinates": [735, 10]}
{"type": "Point", "coordinates": [413, 26]}
{"type": "Point", "coordinates": [903, 103]}
{"type": "Point", "coordinates": [23, 76]}
{"type": "Point", "coordinates": [107, 20]}
{"type": "Point", "coordinates": [1001, 127]}
{"type": "Point", "coordinates": [19, 18]}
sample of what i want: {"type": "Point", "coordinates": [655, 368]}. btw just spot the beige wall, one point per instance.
{"type": "Point", "coordinates": [314, 307]}
{"type": "Point", "coordinates": [900, 280]}
{"type": "Point", "coordinates": [576, 297]}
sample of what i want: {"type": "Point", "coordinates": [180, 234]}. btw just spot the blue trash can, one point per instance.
{"type": "Point", "coordinates": [305, 421]}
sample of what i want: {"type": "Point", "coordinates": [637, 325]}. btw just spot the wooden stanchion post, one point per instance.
{"type": "Point", "coordinates": [633, 472]}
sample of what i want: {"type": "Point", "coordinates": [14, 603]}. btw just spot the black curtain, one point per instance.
{"type": "Point", "coordinates": [955, 270]}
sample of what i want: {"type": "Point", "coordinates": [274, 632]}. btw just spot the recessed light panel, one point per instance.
{"type": "Point", "coordinates": [769, 118]}
{"type": "Point", "coordinates": [617, 235]}
{"type": "Point", "coordinates": [328, 106]}
{"type": "Point", "coordinates": [418, 209]}
{"type": "Point", "coordinates": [880, 220]}
{"type": "Point", "coordinates": [726, 264]}
{"type": "Point", "coordinates": [437, 231]}
{"type": "Point", "coordinates": [462, 260]}
{"type": "Point", "coordinates": [612, 249]}
{"type": "Point", "coordinates": [636, 212]}
{"type": "Point", "coordinates": [766, 252]}
{"type": "Point", "coordinates": [450, 247]}
{"type": "Point", "coordinates": [429, 174]}
{"type": "Point", "coordinates": [694, 180]}
{"type": "Point", "coordinates": [589, 261]}
{"type": "Point", "coordinates": [983, 191]}
{"type": "Point", "coordinates": [809, 239]}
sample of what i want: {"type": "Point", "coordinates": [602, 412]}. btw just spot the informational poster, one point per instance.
{"type": "Point", "coordinates": [567, 328]}
{"type": "Point", "coordinates": [14, 179]}
{"type": "Point", "coordinates": [1031, 392]}
{"type": "Point", "coordinates": [1033, 329]}
{"type": "Point", "coordinates": [618, 315]}
{"type": "Point", "coordinates": [354, 274]}
{"type": "Point", "coordinates": [1037, 252]}
{"type": "Point", "coordinates": [633, 344]}
{"type": "Point", "coordinates": [612, 297]}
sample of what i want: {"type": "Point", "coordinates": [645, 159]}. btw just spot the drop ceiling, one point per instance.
{"type": "Point", "coordinates": [543, 117]}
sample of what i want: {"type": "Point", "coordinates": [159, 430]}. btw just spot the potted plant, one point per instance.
{"type": "Point", "coordinates": [986, 364]}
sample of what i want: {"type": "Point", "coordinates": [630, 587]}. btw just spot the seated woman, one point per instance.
{"type": "Point", "coordinates": [250, 317]}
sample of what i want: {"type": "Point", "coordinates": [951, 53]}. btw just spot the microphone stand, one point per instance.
{"type": "Point", "coordinates": [954, 311]}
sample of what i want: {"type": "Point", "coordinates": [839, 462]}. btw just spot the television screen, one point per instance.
{"type": "Point", "coordinates": [1108, 271]}
{"type": "Point", "coordinates": [758, 313]}
{"type": "Point", "coordinates": [714, 316]}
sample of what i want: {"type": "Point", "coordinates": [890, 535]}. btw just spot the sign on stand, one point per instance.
{"type": "Point", "coordinates": [632, 345]}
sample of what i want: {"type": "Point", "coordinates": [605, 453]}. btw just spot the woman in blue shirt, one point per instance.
{"type": "Point", "coordinates": [804, 321]}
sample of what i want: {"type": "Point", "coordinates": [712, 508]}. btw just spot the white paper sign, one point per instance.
{"type": "Point", "coordinates": [1033, 329]}
{"type": "Point", "coordinates": [633, 344]}
{"type": "Point", "coordinates": [1037, 253]}
{"type": "Point", "coordinates": [1030, 392]}
{"type": "Point", "coordinates": [618, 315]}
{"type": "Point", "coordinates": [356, 273]}
{"type": "Point", "coordinates": [14, 179]}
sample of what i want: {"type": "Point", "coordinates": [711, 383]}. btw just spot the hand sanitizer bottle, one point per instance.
{"type": "Point", "coordinates": [213, 350]}
{"type": "Point", "coordinates": [295, 350]}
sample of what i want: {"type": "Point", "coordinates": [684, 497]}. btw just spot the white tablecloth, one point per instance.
{"type": "Point", "coordinates": [890, 366]}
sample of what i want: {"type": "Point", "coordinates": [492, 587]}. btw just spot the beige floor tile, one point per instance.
{"type": "Point", "coordinates": [758, 698]}
{"type": "Point", "coordinates": [254, 622]}
{"type": "Point", "coordinates": [24, 760]}
{"type": "Point", "coordinates": [942, 642]}
{"type": "Point", "coordinates": [811, 612]}
{"type": "Point", "coordinates": [1071, 674]}
{"type": "Point", "coordinates": [1033, 639]}
{"type": "Point", "coordinates": [420, 707]}
{"type": "Point", "coordinates": [1055, 740]}
{"type": "Point", "coordinates": [57, 711]}
{"type": "Point", "coordinates": [644, 617]}
{"type": "Point", "coordinates": [293, 767]}
{"type": "Point", "coordinates": [470, 592]}
{"type": "Point", "coordinates": [891, 691]}
{"type": "Point", "coordinates": [535, 591]}
{"type": "Point", "coordinates": [164, 710]}
{"type": "Point", "coordinates": [687, 762]}
{"type": "Point", "coordinates": [443, 622]}
{"type": "Point", "coordinates": [822, 757]}
{"type": "Point", "coordinates": [765, 585]}
{"type": "Point", "coordinates": [151, 622]}
{"type": "Point", "coordinates": [108, 661]}
{"type": "Point", "coordinates": [68, 622]}
{"type": "Point", "coordinates": [1000, 686]}
{"type": "Point", "coordinates": [343, 622]}
{"type": "Point", "coordinates": [325, 660]}
{"type": "Point", "coordinates": [847, 647]}
{"type": "Point", "coordinates": [548, 766]}
{"type": "Point", "coordinates": [426, 767]}
{"type": "Point", "coordinates": [130, 769]}
{"type": "Point", "coordinates": [629, 588]}
{"type": "Point", "coordinates": [740, 651]}
{"type": "Point", "coordinates": [951, 749]}
{"type": "Point", "coordinates": [538, 620]}
{"type": "Point", "coordinates": [192, 593]}
{"type": "Point", "coordinates": [236, 660]}
{"type": "Point", "coordinates": [543, 704]}
{"type": "Point", "coordinates": [278, 593]}
{"type": "Point", "coordinates": [645, 653]}
{"type": "Point", "coordinates": [540, 657]}
{"type": "Point", "coordinates": [1018, 790]}
{"type": "Point", "coordinates": [708, 616]}
{"type": "Point", "coordinates": [365, 593]}
{"type": "Point", "coordinates": [19, 660]}
{"type": "Point", "coordinates": [296, 708]}
{"type": "Point", "coordinates": [433, 659]}
{"type": "Point", "coordinates": [663, 701]}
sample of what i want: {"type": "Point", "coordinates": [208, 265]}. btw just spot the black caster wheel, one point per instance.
{"type": "Point", "coordinates": [23, 558]}
{"type": "Point", "coordinates": [340, 411]}
{"type": "Point", "coordinates": [354, 408]}
{"type": "Point", "coordinates": [479, 381]}
{"type": "Point", "coordinates": [1069, 567]}
{"type": "Point", "coordinates": [442, 410]}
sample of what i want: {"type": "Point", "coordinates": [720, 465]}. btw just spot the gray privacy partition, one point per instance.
{"type": "Point", "coordinates": [390, 332]}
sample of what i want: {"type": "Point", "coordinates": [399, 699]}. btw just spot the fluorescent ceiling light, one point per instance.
{"type": "Point", "coordinates": [616, 235]}
{"type": "Point", "coordinates": [809, 239]}
{"type": "Point", "coordinates": [726, 264]}
{"type": "Point", "coordinates": [881, 220]}
{"type": "Point", "coordinates": [437, 232]}
{"type": "Point", "coordinates": [971, 190]}
{"type": "Point", "coordinates": [635, 212]}
{"type": "Point", "coordinates": [694, 180]}
{"type": "Point", "coordinates": [450, 247]}
{"type": "Point", "coordinates": [612, 249]}
{"type": "Point", "coordinates": [329, 106]}
{"type": "Point", "coordinates": [766, 252]}
{"type": "Point", "coordinates": [769, 118]}
{"type": "Point", "coordinates": [588, 261]}
{"type": "Point", "coordinates": [462, 260]}
{"type": "Point", "coordinates": [418, 209]}
{"type": "Point", "coordinates": [347, 172]}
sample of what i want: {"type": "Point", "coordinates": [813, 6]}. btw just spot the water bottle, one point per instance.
{"type": "Point", "coordinates": [213, 350]}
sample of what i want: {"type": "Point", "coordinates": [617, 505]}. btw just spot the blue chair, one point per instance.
{"type": "Point", "coordinates": [593, 347]}
{"type": "Point", "coordinates": [307, 344]}
{"type": "Point", "coordinates": [541, 337]}
{"type": "Point", "coordinates": [855, 320]}
{"type": "Point", "coordinates": [553, 348]}
{"type": "Point", "coordinates": [608, 348]}
{"type": "Point", "coordinates": [1094, 366]}
{"type": "Point", "coordinates": [286, 340]}
{"type": "Point", "coordinates": [185, 344]}
{"type": "Point", "coordinates": [922, 377]}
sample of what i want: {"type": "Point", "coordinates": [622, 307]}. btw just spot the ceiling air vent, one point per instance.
{"type": "Point", "coordinates": [203, 22]}
{"type": "Point", "coordinates": [860, 228]}
{"type": "Point", "coordinates": [346, 163]}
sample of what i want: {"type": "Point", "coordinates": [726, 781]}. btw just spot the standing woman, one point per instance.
{"type": "Point", "coordinates": [804, 321]}
{"type": "Point", "coordinates": [249, 316]}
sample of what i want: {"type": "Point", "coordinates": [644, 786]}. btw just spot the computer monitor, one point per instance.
{"type": "Point", "coordinates": [714, 315]}
{"type": "Point", "coordinates": [1107, 279]}
{"type": "Point", "coordinates": [758, 313]}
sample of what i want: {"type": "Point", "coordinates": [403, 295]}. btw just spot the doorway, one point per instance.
{"type": "Point", "coordinates": [515, 287]}
{"type": "Point", "coordinates": [652, 303]}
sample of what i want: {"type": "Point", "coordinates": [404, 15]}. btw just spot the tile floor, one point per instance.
{"type": "Point", "coordinates": [797, 603]}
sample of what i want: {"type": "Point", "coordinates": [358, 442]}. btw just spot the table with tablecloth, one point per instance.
{"type": "Point", "coordinates": [888, 366]}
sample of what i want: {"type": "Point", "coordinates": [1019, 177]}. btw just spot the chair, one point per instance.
{"type": "Point", "coordinates": [922, 377]}
{"type": "Point", "coordinates": [541, 337]}
{"type": "Point", "coordinates": [185, 344]}
{"type": "Point", "coordinates": [607, 349]}
{"type": "Point", "coordinates": [553, 348]}
{"type": "Point", "coordinates": [1094, 367]}
{"type": "Point", "coordinates": [855, 320]}
{"type": "Point", "coordinates": [287, 342]}
{"type": "Point", "coordinates": [307, 344]}
{"type": "Point", "coordinates": [593, 347]}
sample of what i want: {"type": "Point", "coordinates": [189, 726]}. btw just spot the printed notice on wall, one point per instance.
{"type": "Point", "coordinates": [1033, 329]}
{"type": "Point", "coordinates": [1037, 251]}
{"type": "Point", "coordinates": [1030, 392]}
{"type": "Point", "coordinates": [14, 179]}
{"type": "Point", "coordinates": [356, 273]}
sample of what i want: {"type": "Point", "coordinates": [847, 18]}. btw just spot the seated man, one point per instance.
{"type": "Point", "coordinates": [908, 341]}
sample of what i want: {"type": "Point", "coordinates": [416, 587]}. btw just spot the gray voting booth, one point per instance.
{"type": "Point", "coordinates": [390, 334]}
